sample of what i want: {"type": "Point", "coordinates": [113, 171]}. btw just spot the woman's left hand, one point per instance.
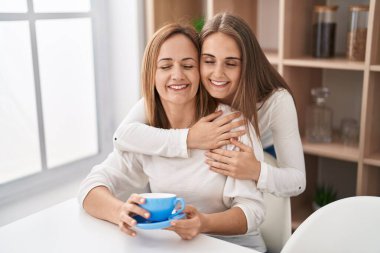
{"type": "Point", "coordinates": [190, 227]}
{"type": "Point", "coordinates": [237, 164]}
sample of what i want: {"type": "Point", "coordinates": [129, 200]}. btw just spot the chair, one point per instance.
{"type": "Point", "coordinates": [347, 225]}
{"type": "Point", "coordinates": [276, 228]}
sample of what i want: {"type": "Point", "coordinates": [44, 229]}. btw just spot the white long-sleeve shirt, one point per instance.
{"type": "Point", "coordinates": [189, 178]}
{"type": "Point", "coordinates": [278, 126]}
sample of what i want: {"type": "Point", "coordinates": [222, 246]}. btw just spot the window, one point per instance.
{"type": "Point", "coordinates": [52, 117]}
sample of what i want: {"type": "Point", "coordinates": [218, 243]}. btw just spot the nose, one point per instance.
{"type": "Point", "coordinates": [177, 73]}
{"type": "Point", "coordinates": [219, 70]}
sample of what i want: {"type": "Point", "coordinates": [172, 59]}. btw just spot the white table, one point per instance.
{"type": "Point", "coordinates": [67, 228]}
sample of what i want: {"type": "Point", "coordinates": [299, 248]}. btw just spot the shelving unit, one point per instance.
{"type": "Point", "coordinates": [161, 12]}
{"type": "Point", "coordinates": [288, 48]}
{"type": "Point", "coordinates": [272, 56]}
{"type": "Point", "coordinates": [335, 63]}
{"type": "Point", "coordinates": [335, 150]}
{"type": "Point", "coordinates": [373, 159]}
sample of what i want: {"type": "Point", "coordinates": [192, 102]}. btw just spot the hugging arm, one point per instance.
{"type": "Point", "coordinates": [288, 177]}
{"type": "Point", "coordinates": [134, 135]}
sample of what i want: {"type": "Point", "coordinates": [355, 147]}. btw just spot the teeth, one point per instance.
{"type": "Point", "coordinates": [218, 83]}
{"type": "Point", "coordinates": [178, 87]}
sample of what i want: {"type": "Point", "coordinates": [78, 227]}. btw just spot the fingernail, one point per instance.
{"type": "Point", "coordinates": [173, 224]}
{"type": "Point", "coordinates": [146, 215]}
{"type": "Point", "coordinates": [134, 222]}
{"type": "Point", "coordinates": [133, 234]}
{"type": "Point", "coordinates": [141, 200]}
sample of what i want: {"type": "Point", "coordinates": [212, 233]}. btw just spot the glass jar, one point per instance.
{"type": "Point", "coordinates": [319, 117]}
{"type": "Point", "coordinates": [357, 34]}
{"type": "Point", "coordinates": [324, 29]}
{"type": "Point", "coordinates": [349, 132]}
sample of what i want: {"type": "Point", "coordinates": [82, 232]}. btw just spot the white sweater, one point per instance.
{"type": "Point", "coordinates": [189, 178]}
{"type": "Point", "coordinates": [278, 126]}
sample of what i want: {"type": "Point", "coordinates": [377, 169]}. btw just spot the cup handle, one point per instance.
{"type": "Point", "coordinates": [182, 202]}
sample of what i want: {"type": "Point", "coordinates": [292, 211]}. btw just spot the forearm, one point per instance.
{"type": "Point", "coordinates": [234, 222]}
{"type": "Point", "coordinates": [143, 139]}
{"type": "Point", "coordinates": [101, 204]}
{"type": "Point", "coordinates": [134, 135]}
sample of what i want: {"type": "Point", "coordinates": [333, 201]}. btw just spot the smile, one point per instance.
{"type": "Point", "coordinates": [219, 83]}
{"type": "Point", "coordinates": [178, 86]}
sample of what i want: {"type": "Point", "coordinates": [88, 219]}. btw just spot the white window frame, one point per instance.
{"type": "Point", "coordinates": [48, 178]}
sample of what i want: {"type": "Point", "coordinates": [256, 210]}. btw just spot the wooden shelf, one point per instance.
{"type": "Point", "coordinates": [373, 159]}
{"type": "Point", "coordinates": [333, 150]}
{"type": "Point", "coordinates": [299, 215]}
{"type": "Point", "coordinates": [375, 68]}
{"type": "Point", "coordinates": [272, 56]}
{"type": "Point", "coordinates": [334, 63]}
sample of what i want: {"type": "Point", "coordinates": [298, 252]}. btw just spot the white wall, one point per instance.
{"type": "Point", "coordinates": [127, 42]}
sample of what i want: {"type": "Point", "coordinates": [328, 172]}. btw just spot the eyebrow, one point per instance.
{"type": "Point", "coordinates": [227, 58]}
{"type": "Point", "coordinates": [165, 59]}
{"type": "Point", "coordinates": [170, 59]}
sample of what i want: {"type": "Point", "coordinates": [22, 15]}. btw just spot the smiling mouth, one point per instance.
{"type": "Point", "coordinates": [178, 87]}
{"type": "Point", "coordinates": [219, 84]}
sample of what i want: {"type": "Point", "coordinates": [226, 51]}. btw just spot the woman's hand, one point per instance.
{"type": "Point", "coordinates": [237, 164]}
{"type": "Point", "coordinates": [190, 227]}
{"type": "Point", "coordinates": [210, 134]}
{"type": "Point", "coordinates": [128, 210]}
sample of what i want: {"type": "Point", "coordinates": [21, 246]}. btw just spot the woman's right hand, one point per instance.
{"type": "Point", "coordinates": [209, 133]}
{"type": "Point", "coordinates": [128, 210]}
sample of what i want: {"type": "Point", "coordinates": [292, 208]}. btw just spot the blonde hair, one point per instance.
{"type": "Point", "coordinates": [155, 112]}
{"type": "Point", "coordinates": [258, 78]}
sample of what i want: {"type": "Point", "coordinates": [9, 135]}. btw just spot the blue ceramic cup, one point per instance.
{"type": "Point", "coordinates": [161, 206]}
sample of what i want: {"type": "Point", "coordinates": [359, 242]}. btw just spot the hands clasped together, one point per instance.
{"type": "Point", "coordinates": [211, 133]}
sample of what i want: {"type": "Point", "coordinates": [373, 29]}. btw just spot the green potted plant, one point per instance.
{"type": "Point", "coordinates": [323, 195]}
{"type": "Point", "coordinates": [198, 23]}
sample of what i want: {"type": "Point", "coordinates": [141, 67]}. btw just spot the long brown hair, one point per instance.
{"type": "Point", "coordinates": [156, 115]}
{"type": "Point", "coordinates": [258, 79]}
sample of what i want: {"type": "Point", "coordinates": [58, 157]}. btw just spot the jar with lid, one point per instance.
{"type": "Point", "coordinates": [319, 117]}
{"type": "Point", "coordinates": [357, 34]}
{"type": "Point", "coordinates": [324, 29]}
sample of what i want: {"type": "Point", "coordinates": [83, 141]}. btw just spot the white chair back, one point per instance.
{"type": "Point", "coordinates": [347, 225]}
{"type": "Point", "coordinates": [277, 226]}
